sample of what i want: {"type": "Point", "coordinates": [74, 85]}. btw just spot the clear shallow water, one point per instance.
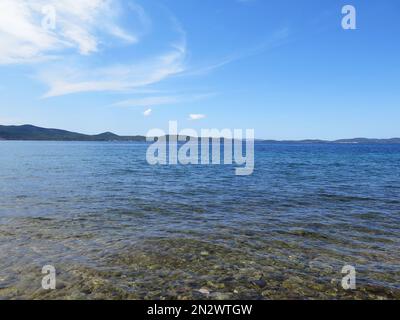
{"type": "Point", "coordinates": [116, 228]}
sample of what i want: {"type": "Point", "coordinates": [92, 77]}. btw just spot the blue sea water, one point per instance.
{"type": "Point", "coordinates": [117, 227]}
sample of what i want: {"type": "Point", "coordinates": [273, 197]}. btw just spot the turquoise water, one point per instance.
{"type": "Point", "coordinates": [115, 227]}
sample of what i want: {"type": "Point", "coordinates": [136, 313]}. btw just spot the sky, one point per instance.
{"type": "Point", "coordinates": [285, 68]}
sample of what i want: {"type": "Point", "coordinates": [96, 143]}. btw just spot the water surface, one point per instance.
{"type": "Point", "coordinates": [117, 228]}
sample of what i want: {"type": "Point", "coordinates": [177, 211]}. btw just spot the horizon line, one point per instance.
{"type": "Point", "coordinates": [205, 137]}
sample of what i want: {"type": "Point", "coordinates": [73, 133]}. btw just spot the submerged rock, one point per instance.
{"type": "Point", "coordinates": [204, 291]}
{"type": "Point", "coordinates": [261, 283]}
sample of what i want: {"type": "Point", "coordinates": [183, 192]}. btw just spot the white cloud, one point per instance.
{"type": "Point", "coordinates": [197, 116]}
{"type": "Point", "coordinates": [147, 113]}
{"type": "Point", "coordinates": [63, 81]}
{"type": "Point", "coordinates": [69, 55]}
{"type": "Point", "coordinates": [24, 40]}
{"type": "Point", "coordinates": [83, 28]}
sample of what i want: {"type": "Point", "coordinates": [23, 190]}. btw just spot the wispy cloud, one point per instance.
{"type": "Point", "coordinates": [148, 101]}
{"type": "Point", "coordinates": [123, 77]}
{"type": "Point", "coordinates": [69, 55]}
{"type": "Point", "coordinates": [197, 116]}
{"type": "Point", "coordinates": [162, 100]}
{"type": "Point", "coordinates": [78, 33]}
{"type": "Point", "coordinates": [24, 40]}
{"type": "Point", "coordinates": [276, 39]}
{"type": "Point", "coordinates": [75, 74]}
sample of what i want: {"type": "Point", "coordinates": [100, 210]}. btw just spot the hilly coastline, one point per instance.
{"type": "Point", "coordinates": [33, 133]}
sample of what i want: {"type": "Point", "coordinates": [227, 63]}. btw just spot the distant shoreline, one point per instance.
{"type": "Point", "coordinates": [33, 133]}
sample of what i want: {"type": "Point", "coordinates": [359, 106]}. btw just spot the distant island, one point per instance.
{"type": "Point", "coordinates": [33, 133]}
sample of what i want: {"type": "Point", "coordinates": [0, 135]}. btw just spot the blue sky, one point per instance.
{"type": "Point", "coordinates": [285, 68]}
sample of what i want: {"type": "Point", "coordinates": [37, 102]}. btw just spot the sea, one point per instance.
{"type": "Point", "coordinates": [311, 218]}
